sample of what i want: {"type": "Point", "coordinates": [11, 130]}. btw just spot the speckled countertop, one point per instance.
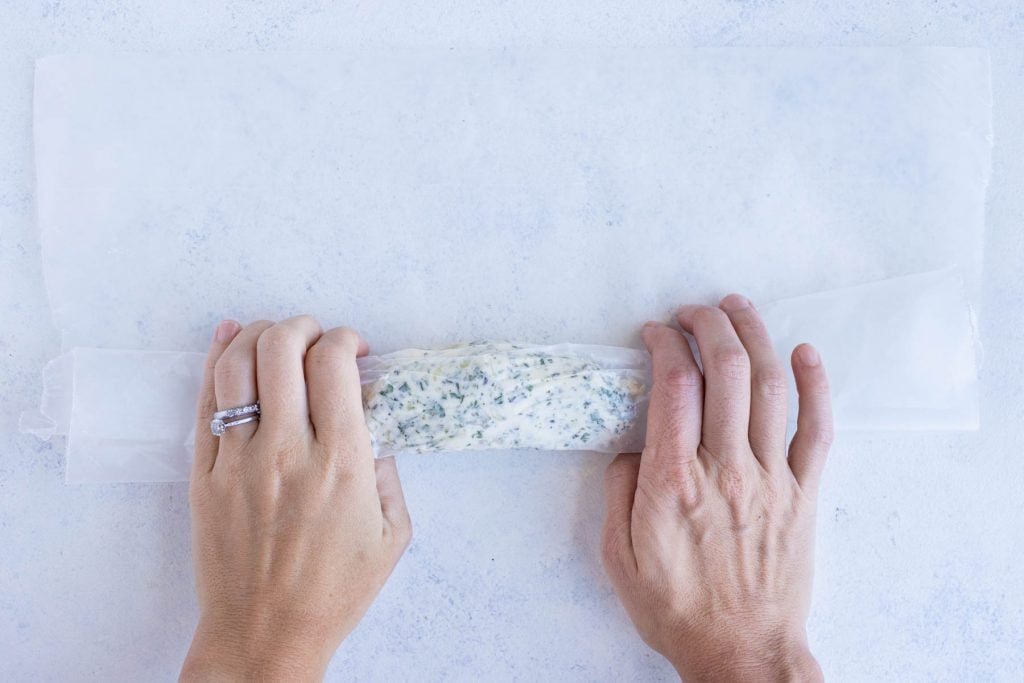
{"type": "Point", "coordinates": [920, 535]}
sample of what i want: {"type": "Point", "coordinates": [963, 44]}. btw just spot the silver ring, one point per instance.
{"type": "Point", "coordinates": [223, 419]}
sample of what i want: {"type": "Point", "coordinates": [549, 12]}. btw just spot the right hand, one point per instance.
{"type": "Point", "coordinates": [709, 533]}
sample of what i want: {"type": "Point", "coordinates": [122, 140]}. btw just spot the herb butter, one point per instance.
{"type": "Point", "coordinates": [499, 395]}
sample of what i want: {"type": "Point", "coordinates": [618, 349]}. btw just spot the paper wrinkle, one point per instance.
{"type": "Point", "coordinates": [54, 414]}
{"type": "Point", "coordinates": [899, 354]}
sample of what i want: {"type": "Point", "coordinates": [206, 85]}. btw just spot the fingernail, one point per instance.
{"type": "Point", "coordinates": [652, 323]}
{"type": "Point", "coordinates": [226, 331]}
{"type": "Point", "coordinates": [808, 356]}
{"type": "Point", "coordinates": [733, 303]}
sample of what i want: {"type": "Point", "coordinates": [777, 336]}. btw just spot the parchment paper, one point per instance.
{"type": "Point", "coordinates": [427, 196]}
{"type": "Point", "coordinates": [435, 196]}
{"type": "Point", "coordinates": [900, 354]}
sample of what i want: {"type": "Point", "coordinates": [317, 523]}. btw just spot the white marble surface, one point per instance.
{"type": "Point", "coordinates": [920, 536]}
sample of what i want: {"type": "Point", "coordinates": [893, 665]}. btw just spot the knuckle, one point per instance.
{"type": "Point", "coordinates": [275, 338]}
{"type": "Point", "coordinates": [342, 340]}
{"type": "Point", "coordinates": [730, 360]}
{"type": "Point", "coordinates": [771, 383]}
{"type": "Point", "coordinates": [232, 368]}
{"type": "Point", "coordinates": [752, 327]}
{"type": "Point", "coordinates": [733, 485]}
{"type": "Point", "coordinates": [306, 319]}
{"type": "Point", "coordinates": [822, 438]}
{"type": "Point", "coordinates": [771, 495]}
{"type": "Point", "coordinates": [690, 492]}
{"type": "Point", "coordinates": [319, 354]}
{"type": "Point", "coordinates": [281, 444]}
{"type": "Point", "coordinates": [684, 488]}
{"type": "Point", "coordinates": [682, 379]}
{"type": "Point", "coordinates": [342, 471]}
{"type": "Point", "coordinates": [344, 337]}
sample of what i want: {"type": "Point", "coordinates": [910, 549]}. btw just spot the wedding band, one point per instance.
{"type": "Point", "coordinates": [223, 419]}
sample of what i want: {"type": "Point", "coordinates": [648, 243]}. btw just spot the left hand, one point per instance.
{"type": "Point", "coordinates": [295, 526]}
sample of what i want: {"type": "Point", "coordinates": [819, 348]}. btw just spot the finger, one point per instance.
{"type": "Point", "coordinates": [677, 397]}
{"type": "Point", "coordinates": [234, 382]}
{"type": "Point", "coordinates": [281, 377]}
{"type": "Point", "coordinates": [768, 387]}
{"type": "Point", "coordinates": [206, 442]}
{"type": "Point", "coordinates": [814, 431]}
{"type": "Point", "coordinates": [726, 366]}
{"type": "Point", "coordinates": [332, 384]}
{"type": "Point", "coordinates": [392, 502]}
{"type": "Point", "coordinates": [616, 533]}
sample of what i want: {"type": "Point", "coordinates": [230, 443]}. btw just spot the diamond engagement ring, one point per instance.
{"type": "Point", "coordinates": [232, 417]}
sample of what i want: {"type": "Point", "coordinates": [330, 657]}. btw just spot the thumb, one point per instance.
{"type": "Point", "coordinates": [619, 489]}
{"type": "Point", "coordinates": [397, 522]}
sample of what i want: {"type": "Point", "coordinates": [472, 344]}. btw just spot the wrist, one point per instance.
{"type": "Point", "coordinates": [225, 652]}
{"type": "Point", "coordinates": [769, 659]}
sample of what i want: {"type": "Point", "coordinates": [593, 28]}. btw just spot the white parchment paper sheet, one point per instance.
{"type": "Point", "coordinates": [427, 196]}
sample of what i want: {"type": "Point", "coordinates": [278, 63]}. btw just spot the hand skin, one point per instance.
{"type": "Point", "coordinates": [708, 534]}
{"type": "Point", "coordinates": [295, 526]}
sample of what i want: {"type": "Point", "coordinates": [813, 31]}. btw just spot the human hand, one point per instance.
{"type": "Point", "coordinates": [709, 533]}
{"type": "Point", "coordinates": [295, 526]}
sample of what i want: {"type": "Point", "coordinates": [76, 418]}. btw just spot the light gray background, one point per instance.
{"type": "Point", "coordinates": [920, 535]}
